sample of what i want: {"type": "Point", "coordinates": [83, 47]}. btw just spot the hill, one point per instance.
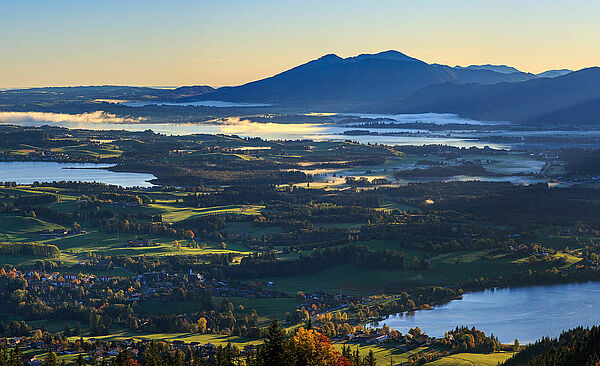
{"type": "Point", "coordinates": [554, 73]}
{"type": "Point", "coordinates": [564, 99]}
{"type": "Point", "coordinates": [503, 69]}
{"type": "Point", "coordinates": [480, 75]}
{"type": "Point", "coordinates": [97, 92]}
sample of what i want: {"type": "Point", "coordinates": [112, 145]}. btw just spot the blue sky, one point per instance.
{"type": "Point", "coordinates": [225, 42]}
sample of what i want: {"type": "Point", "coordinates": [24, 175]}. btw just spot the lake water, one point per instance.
{"type": "Point", "coordinates": [526, 313]}
{"type": "Point", "coordinates": [27, 172]}
{"type": "Point", "coordinates": [272, 131]}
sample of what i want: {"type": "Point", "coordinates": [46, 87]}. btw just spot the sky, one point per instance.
{"type": "Point", "coordinates": [229, 42]}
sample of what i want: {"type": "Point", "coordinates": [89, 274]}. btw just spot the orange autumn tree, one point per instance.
{"type": "Point", "coordinates": [311, 348]}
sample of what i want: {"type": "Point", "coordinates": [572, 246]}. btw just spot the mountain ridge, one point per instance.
{"type": "Point", "coordinates": [332, 81]}
{"type": "Point", "coordinates": [533, 101]}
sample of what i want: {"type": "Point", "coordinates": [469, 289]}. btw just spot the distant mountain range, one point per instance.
{"type": "Point", "coordinates": [574, 97]}
{"type": "Point", "coordinates": [364, 79]}
{"type": "Point", "coordinates": [392, 82]}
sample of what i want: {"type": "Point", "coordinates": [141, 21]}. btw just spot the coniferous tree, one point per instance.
{"type": "Point", "coordinates": [272, 351]}
{"type": "Point", "coordinates": [51, 359]}
{"type": "Point", "coordinates": [370, 359]}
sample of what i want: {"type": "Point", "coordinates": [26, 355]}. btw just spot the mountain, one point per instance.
{"type": "Point", "coordinates": [189, 91]}
{"type": "Point", "coordinates": [335, 82]}
{"type": "Point", "coordinates": [553, 73]}
{"type": "Point", "coordinates": [512, 72]}
{"type": "Point", "coordinates": [393, 81]}
{"type": "Point", "coordinates": [332, 80]}
{"type": "Point", "coordinates": [482, 75]}
{"type": "Point", "coordinates": [565, 99]}
{"type": "Point", "coordinates": [503, 69]}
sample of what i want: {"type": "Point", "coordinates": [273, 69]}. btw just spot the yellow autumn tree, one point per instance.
{"type": "Point", "coordinates": [309, 347]}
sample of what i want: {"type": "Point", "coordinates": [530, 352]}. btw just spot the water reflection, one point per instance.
{"type": "Point", "coordinates": [527, 313]}
{"type": "Point", "coordinates": [27, 172]}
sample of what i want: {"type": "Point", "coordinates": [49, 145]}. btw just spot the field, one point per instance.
{"type": "Point", "coordinates": [466, 359]}
{"type": "Point", "coordinates": [216, 339]}
{"type": "Point", "coordinates": [360, 281]}
{"type": "Point", "coordinates": [173, 213]}
{"type": "Point", "coordinates": [20, 228]}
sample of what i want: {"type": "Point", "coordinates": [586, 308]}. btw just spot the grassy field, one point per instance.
{"type": "Point", "coordinates": [170, 212]}
{"type": "Point", "coordinates": [354, 280]}
{"type": "Point", "coordinates": [445, 269]}
{"type": "Point", "coordinates": [216, 339]}
{"type": "Point", "coordinates": [467, 359]}
{"type": "Point", "coordinates": [113, 244]}
{"type": "Point", "coordinates": [92, 150]}
{"type": "Point", "coordinates": [19, 228]}
{"type": "Point", "coordinates": [384, 353]}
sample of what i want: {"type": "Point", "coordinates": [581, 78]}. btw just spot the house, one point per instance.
{"type": "Point", "coordinates": [178, 344]}
{"type": "Point", "coordinates": [420, 339]}
{"type": "Point", "coordinates": [378, 338]}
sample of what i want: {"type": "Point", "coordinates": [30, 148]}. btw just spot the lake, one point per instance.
{"type": "Point", "coordinates": [26, 172]}
{"type": "Point", "coordinates": [274, 131]}
{"type": "Point", "coordinates": [526, 313]}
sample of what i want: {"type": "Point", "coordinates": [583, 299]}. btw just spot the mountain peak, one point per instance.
{"type": "Point", "coordinates": [330, 57]}
{"type": "Point", "coordinates": [385, 55]}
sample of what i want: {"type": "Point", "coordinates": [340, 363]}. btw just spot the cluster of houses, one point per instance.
{"type": "Point", "coordinates": [141, 243]}
{"type": "Point", "coordinates": [407, 341]}
{"type": "Point", "coordinates": [153, 284]}
{"type": "Point", "coordinates": [322, 300]}
{"type": "Point", "coordinates": [56, 279]}
{"type": "Point", "coordinates": [161, 282]}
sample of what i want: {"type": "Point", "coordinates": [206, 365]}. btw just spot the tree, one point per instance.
{"type": "Point", "coordinates": [271, 353]}
{"type": "Point", "coordinates": [124, 359]}
{"type": "Point", "coordinates": [51, 359]}
{"type": "Point", "coordinates": [370, 359]}
{"type": "Point", "coordinates": [151, 355]}
{"type": "Point", "coordinates": [79, 361]}
{"type": "Point", "coordinates": [177, 245]}
{"type": "Point", "coordinates": [516, 345]}
{"type": "Point", "coordinates": [16, 357]}
{"type": "Point", "coordinates": [309, 347]}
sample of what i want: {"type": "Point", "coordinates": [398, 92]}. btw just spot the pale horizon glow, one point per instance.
{"type": "Point", "coordinates": [184, 42]}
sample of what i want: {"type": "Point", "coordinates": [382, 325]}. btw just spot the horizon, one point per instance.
{"type": "Point", "coordinates": [200, 43]}
{"type": "Point", "coordinates": [221, 86]}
